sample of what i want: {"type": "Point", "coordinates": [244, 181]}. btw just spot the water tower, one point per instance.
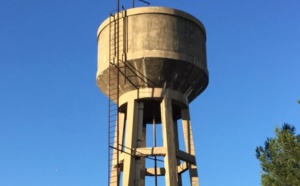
{"type": "Point", "coordinates": [151, 65]}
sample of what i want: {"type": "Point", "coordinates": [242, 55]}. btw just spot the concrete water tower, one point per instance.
{"type": "Point", "coordinates": [151, 65]}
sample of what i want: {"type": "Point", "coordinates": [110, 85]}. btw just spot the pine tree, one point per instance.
{"type": "Point", "coordinates": [280, 158]}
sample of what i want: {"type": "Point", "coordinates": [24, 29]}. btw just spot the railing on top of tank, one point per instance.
{"type": "Point", "coordinates": [146, 2]}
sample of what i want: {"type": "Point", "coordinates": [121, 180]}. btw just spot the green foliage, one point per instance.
{"type": "Point", "coordinates": [280, 158]}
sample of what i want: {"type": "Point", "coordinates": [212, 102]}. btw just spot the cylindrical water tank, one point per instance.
{"type": "Point", "coordinates": [162, 48]}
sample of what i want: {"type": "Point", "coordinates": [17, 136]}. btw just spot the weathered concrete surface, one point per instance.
{"type": "Point", "coordinates": [137, 115]}
{"type": "Point", "coordinates": [165, 48]}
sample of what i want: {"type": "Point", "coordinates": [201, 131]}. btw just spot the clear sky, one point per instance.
{"type": "Point", "coordinates": [53, 118]}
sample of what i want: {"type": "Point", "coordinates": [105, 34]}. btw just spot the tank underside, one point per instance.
{"type": "Point", "coordinates": [176, 75]}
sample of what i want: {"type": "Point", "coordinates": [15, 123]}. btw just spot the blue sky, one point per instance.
{"type": "Point", "coordinates": [53, 118]}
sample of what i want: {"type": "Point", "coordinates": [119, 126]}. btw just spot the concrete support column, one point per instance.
{"type": "Point", "coordinates": [177, 148]}
{"type": "Point", "coordinates": [115, 169]}
{"type": "Point", "coordinates": [140, 164]}
{"type": "Point", "coordinates": [142, 159]}
{"type": "Point", "coordinates": [189, 144]}
{"type": "Point", "coordinates": [130, 143]}
{"type": "Point", "coordinates": [171, 174]}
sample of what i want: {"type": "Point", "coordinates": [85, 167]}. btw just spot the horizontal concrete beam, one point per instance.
{"type": "Point", "coordinates": [186, 157]}
{"type": "Point", "coordinates": [151, 151]}
{"type": "Point", "coordinates": [159, 171]}
{"type": "Point", "coordinates": [182, 168]}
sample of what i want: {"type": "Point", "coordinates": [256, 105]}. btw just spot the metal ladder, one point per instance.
{"type": "Point", "coordinates": [119, 70]}
{"type": "Point", "coordinates": [113, 102]}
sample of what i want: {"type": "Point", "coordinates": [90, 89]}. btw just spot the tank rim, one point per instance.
{"type": "Point", "coordinates": [155, 10]}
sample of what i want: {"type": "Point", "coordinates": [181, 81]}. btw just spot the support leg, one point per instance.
{"type": "Point", "coordinates": [115, 169]}
{"type": "Point", "coordinates": [189, 144]}
{"type": "Point", "coordinates": [170, 160]}
{"type": "Point", "coordinates": [177, 148]}
{"type": "Point", "coordinates": [140, 164]}
{"type": "Point", "coordinates": [130, 143]}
